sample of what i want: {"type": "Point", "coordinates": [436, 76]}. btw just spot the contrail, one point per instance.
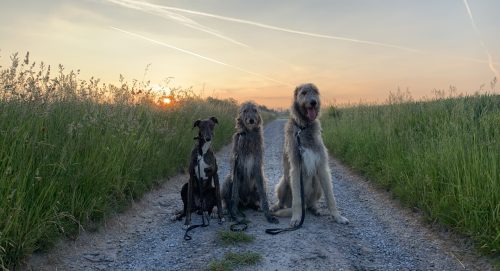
{"type": "Point", "coordinates": [135, 5]}
{"type": "Point", "coordinates": [310, 34]}
{"type": "Point", "coordinates": [200, 56]}
{"type": "Point", "coordinates": [277, 28]}
{"type": "Point", "coordinates": [490, 58]}
{"type": "Point", "coordinates": [158, 11]}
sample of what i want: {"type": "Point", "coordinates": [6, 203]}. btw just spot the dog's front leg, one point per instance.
{"type": "Point", "coordinates": [296, 198]}
{"type": "Point", "coordinates": [189, 202]}
{"type": "Point", "coordinates": [261, 189]}
{"type": "Point", "coordinates": [218, 197]}
{"type": "Point", "coordinates": [326, 183]}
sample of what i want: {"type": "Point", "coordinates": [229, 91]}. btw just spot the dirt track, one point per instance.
{"type": "Point", "coordinates": [381, 234]}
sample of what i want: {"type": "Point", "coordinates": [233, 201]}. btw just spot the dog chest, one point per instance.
{"type": "Point", "coordinates": [310, 161]}
{"type": "Point", "coordinates": [201, 166]}
{"type": "Point", "coordinates": [201, 174]}
{"type": "Point", "coordinates": [248, 163]}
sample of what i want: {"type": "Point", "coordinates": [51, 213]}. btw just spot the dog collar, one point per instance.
{"type": "Point", "coordinates": [301, 128]}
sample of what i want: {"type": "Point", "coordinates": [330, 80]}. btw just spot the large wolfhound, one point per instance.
{"type": "Point", "coordinates": [304, 128]}
{"type": "Point", "coordinates": [245, 186]}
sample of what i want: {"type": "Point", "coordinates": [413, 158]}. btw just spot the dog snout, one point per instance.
{"type": "Point", "coordinates": [314, 102]}
{"type": "Point", "coordinates": [208, 139]}
{"type": "Point", "coordinates": [251, 121]}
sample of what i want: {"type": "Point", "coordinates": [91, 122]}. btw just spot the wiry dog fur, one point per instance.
{"type": "Point", "coordinates": [245, 186]}
{"type": "Point", "coordinates": [315, 170]}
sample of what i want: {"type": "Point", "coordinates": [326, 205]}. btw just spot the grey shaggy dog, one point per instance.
{"type": "Point", "coordinates": [245, 186]}
{"type": "Point", "coordinates": [314, 163]}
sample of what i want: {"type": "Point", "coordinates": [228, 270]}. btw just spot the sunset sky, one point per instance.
{"type": "Point", "coordinates": [259, 50]}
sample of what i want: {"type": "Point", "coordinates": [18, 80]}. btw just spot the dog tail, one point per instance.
{"type": "Point", "coordinates": [286, 212]}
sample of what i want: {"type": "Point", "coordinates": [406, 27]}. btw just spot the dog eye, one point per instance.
{"type": "Point", "coordinates": [302, 93]}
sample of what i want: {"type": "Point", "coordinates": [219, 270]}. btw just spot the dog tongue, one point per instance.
{"type": "Point", "coordinates": [311, 114]}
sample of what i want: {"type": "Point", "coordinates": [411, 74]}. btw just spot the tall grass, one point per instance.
{"type": "Point", "coordinates": [72, 151]}
{"type": "Point", "coordinates": [441, 156]}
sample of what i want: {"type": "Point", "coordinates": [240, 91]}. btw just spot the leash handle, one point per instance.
{"type": "Point", "coordinates": [188, 237]}
{"type": "Point", "coordinates": [274, 231]}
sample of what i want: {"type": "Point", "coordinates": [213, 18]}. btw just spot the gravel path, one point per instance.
{"type": "Point", "coordinates": [381, 236]}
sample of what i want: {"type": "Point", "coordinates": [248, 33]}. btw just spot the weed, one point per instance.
{"type": "Point", "coordinates": [232, 260]}
{"type": "Point", "coordinates": [232, 238]}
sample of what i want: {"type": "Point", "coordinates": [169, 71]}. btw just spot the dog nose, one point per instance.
{"type": "Point", "coordinates": [251, 121]}
{"type": "Point", "coordinates": [208, 139]}
{"type": "Point", "coordinates": [314, 102]}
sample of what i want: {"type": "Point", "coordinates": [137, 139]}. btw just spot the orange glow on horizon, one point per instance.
{"type": "Point", "coordinates": [167, 101]}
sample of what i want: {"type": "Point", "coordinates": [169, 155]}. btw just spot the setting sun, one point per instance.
{"type": "Point", "coordinates": [166, 100]}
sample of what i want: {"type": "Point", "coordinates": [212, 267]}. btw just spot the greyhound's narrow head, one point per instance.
{"type": "Point", "coordinates": [248, 116]}
{"type": "Point", "coordinates": [206, 129]}
{"type": "Point", "coordinates": [307, 102]}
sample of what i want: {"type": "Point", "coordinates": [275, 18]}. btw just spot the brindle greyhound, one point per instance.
{"type": "Point", "coordinates": [202, 170]}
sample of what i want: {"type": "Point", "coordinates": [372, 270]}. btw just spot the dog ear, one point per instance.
{"type": "Point", "coordinates": [214, 119]}
{"type": "Point", "coordinates": [239, 123]}
{"type": "Point", "coordinates": [196, 123]}
{"type": "Point", "coordinates": [297, 89]}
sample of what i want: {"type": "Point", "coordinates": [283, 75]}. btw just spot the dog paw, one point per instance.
{"type": "Point", "coordinates": [340, 219]}
{"type": "Point", "coordinates": [174, 218]}
{"type": "Point", "coordinates": [186, 226]}
{"type": "Point", "coordinates": [221, 220]}
{"type": "Point", "coordinates": [295, 221]}
{"type": "Point", "coordinates": [274, 208]}
{"type": "Point", "coordinates": [272, 219]}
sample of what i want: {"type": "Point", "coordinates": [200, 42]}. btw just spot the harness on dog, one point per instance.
{"type": "Point", "coordinates": [275, 231]}
{"type": "Point", "coordinates": [240, 224]}
{"type": "Point", "coordinates": [187, 237]}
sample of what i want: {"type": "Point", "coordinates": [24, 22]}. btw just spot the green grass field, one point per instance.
{"type": "Point", "coordinates": [441, 156]}
{"type": "Point", "coordinates": [73, 151]}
